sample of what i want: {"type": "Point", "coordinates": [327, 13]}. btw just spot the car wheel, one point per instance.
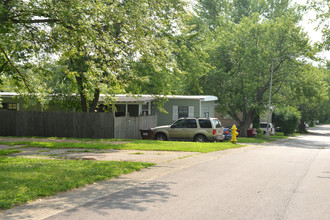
{"type": "Point", "coordinates": [200, 138]}
{"type": "Point", "coordinates": [161, 137]}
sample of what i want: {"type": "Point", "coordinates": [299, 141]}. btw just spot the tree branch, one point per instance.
{"type": "Point", "coordinates": [17, 70]}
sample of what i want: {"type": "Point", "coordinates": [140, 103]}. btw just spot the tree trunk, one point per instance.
{"type": "Point", "coordinates": [246, 122]}
{"type": "Point", "coordinates": [83, 100]}
{"type": "Point", "coordinates": [302, 127]}
{"type": "Point", "coordinates": [93, 104]}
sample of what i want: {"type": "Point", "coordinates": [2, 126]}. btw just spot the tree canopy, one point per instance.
{"type": "Point", "coordinates": [95, 41]}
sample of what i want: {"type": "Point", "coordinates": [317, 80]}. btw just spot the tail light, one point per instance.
{"type": "Point", "coordinates": [226, 132]}
{"type": "Point", "coordinates": [214, 131]}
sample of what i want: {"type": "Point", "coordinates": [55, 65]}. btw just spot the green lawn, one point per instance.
{"type": "Point", "coordinates": [261, 138]}
{"type": "Point", "coordinates": [26, 179]}
{"type": "Point", "coordinates": [133, 145]}
{"type": "Point", "coordinates": [104, 144]}
{"type": "Point", "coordinates": [7, 152]}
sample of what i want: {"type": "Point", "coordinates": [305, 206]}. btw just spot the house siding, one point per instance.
{"type": "Point", "coordinates": [209, 106]}
{"type": "Point", "coordinates": [166, 119]}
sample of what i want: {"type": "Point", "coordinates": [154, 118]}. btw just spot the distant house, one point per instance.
{"type": "Point", "coordinates": [10, 101]}
{"type": "Point", "coordinates": [176, 106]}
{"type": "Point", "coordinates": [187, 106]}
{"type": "Point", "coordinates": [133, 112]}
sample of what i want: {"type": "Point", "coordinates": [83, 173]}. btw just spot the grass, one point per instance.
{"type": "Point", "coordinates": [261, 138]}
{"type": "Point", "coordinates": [132, 145]}
{"type": "Point", "coordinates": [106, 144]}
{"type": "Point", "coordinates": [26, 179]}
{"type": "Point", "coordinates": [8, 152]}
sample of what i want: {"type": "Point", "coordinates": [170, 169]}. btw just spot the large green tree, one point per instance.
{"type": "Point", "coordinates": [307, 91]}
{"type": "Point", "coordinates": [95, 40]}
{"type": "Point", "coordinates": [245, 54]}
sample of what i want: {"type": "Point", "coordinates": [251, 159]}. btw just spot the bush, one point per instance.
{"type": "Point", "coordinates": [287, 118]}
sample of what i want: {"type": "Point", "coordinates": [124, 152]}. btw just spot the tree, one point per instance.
{"type": "Point", "coordinates": [184, 69]}
{"type": "Point", "coordinates": [309, 93]}
{"type": "Point", "coordinates": [242, 56]}
{"type": "Point", "coordinates": [95, 40]}
{"type": "Point", "coordinates": [287, 118]}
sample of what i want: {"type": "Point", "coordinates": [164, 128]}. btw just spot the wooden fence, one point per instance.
{"type": "Point", "coordinates": [56, 124]}
{"type": "Point", "coordinates": [73, 124]}
{"type": "Point", "coordinates": [129, 127]}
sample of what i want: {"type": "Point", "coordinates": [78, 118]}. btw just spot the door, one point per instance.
{"type": "Point", "coordinates": [183, 129]}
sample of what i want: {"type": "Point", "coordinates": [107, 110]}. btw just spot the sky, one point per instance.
{"type": "Point", "coordinates": [309, 27]}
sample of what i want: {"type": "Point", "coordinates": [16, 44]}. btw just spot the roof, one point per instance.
{"type": "Point", "coordinates": [139, 98]}
{"type": "Point", "coordinates": [133, 99]}
{"type": "Point", "coordinates": [204, 98]}
{"type": "Point", "coordinates": [8, 94]}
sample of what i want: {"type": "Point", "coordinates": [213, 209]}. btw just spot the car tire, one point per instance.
{"type": "Point", "coordinates": [200, 138]}
{"type": "Point", "coordinates": [160, 137]}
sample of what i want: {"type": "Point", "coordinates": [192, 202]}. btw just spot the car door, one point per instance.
{"type": "Point", "coordinates": [182, 129]}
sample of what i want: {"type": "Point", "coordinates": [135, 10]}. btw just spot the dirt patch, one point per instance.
{"type": "Point", "coordinates": [94, 154]}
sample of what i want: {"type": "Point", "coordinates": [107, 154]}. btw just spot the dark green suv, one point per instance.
{"type": "Point", "coordinates": [193, 129]}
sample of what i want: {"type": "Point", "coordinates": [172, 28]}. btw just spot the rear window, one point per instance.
{"type": "Point", "coordinates": [217, 123]}
{"type": "Point", "coordinates": [263, 125]}
{"type": "Point", "coordinates": [204, 123]}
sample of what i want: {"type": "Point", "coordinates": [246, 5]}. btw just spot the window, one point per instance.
{"type": "Point", "coordinates": [183, 111]}
{"type": "Point", "coordinates": [192, 123]}
{"type": "Point", "coordinates": [185, 123]}
{"type": "Point", "coordinates": [133, 110]}
{"type": "Point", "coordinates": [206, 112]}
{"type": "Point", "coordinates": [120, 110]}
{"type": "Point", "coordinates": [145, 109]}
{"type": "Point", "coordinates": [205, 123]}
{"type": "Point", "coordinates": [9, 106]}
{"type": "Point", "coordinates": [217, 123]}
{"type": "Point", "coordinates": [180, 124]}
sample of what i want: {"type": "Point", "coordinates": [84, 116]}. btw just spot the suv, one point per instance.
{"type": "Point", "coordinates": [193, 129]}
{"type": "Point", "coordinates": [263, 126]}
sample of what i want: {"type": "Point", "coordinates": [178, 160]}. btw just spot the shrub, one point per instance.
{"type": "Point", "coordinates": [287, 118]}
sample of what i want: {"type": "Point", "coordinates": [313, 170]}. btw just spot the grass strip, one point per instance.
{"type": "Point", "coordinates": [26, 179]}
{"type": "Point", "coordinates": [262, 138]}
{"type": "Point", "coordinates": [8, 152]}
{"type": "Point", "coordinates": [135, 145]}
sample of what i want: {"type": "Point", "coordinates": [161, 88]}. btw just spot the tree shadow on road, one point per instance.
{"type": "Point", "coordinates": [135, 198]}
{"type": "Point", "coordinates": [305, 141]}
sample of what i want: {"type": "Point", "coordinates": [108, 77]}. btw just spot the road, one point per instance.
{"type": "Point", "coordinates": [289, 179]}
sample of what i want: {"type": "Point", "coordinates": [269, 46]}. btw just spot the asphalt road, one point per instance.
{"type": "Point", "coordinates": [289, 179]}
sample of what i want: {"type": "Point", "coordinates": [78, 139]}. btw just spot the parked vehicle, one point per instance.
{"type": "Point", "coordinates": [263, 126]}
{"type": "Point", "coordinates": [227, 133]}
{"type": "Point", "coordinates": [238, 131]}
{"type": "Point", "coordinates": [251, 132]}
{"type": "Point", "coordinates": [193, 129]}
